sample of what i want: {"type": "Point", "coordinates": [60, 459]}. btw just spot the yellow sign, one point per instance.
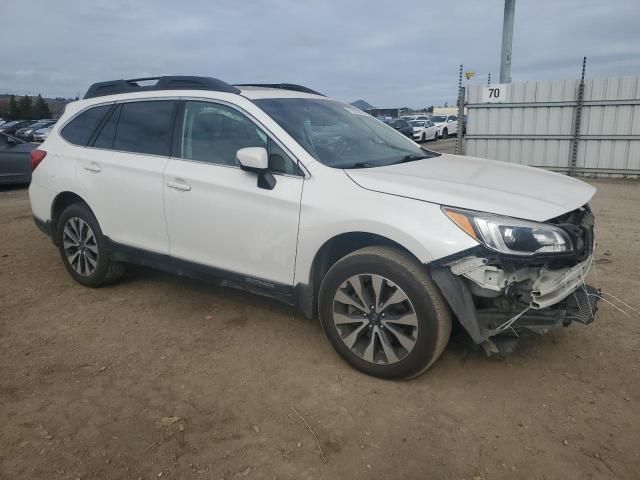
{"type": "Point", "coordinates": [469, 75]}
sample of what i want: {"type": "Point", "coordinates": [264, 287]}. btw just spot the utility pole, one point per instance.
{"type": "Point", "coordinates": [507, 41]}
{"type": "Point", "coordinates": [459, 147]}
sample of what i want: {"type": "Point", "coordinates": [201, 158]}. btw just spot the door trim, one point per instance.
{"type": "Point", "coordinates": [119, 252]}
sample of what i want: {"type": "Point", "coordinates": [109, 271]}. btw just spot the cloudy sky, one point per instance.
{"type": "Point", "coordinates": [390, 53]}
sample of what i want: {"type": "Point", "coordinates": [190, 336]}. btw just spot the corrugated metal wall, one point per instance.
{"type": "Point", "coordinates": [535, 125]}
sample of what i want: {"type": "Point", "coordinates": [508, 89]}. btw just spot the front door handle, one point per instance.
{"type": "Point", "coordinates": [93, 167]}
{"type": "Point", "coordinates": [178, 185]}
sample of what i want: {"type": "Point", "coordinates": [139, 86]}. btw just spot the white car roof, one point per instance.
{"type": "Point", "coordinates": [255, 93]}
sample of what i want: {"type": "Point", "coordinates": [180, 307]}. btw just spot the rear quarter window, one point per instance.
{"type": "Point", "coordinates": [79, 130]}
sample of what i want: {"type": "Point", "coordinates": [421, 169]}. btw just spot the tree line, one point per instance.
{"type": "Point", "coordinates": [25, 108]}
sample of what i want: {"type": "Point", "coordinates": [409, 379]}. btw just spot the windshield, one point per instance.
{"type": "Point", "coordinates": [341, 136]}
{"type": "Point", "coordinates": [417, 123]}
{"type": "Point", "coordinates": [438, 119]}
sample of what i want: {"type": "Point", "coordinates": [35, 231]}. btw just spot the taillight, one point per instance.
{"type": "Point", "coordinates": [36, 157]}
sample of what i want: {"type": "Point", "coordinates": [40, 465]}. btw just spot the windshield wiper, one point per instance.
{"type": "Point", "coordinates": [411, 158]}
{"type": "Point", "coordinates": [358, 165]}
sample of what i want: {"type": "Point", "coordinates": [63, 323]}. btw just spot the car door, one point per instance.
{"type": "Point", "coordinates": [430, 130]}
{"type": "Point", "coordinates": [15, 166]}
{"type": "Point", "coordinates": [121, 173]}
{"type": "Point", "coordinates": [217, 216]}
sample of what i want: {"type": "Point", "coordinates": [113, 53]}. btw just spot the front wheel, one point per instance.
{"type": "Point", "coordinates": [445, 133]}
{"type": "Point", "coordinates": [383, 314]}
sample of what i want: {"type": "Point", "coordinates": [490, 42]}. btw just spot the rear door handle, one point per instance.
{"type": "Point", "coordinates": [178, 185]}
{"type": "Point", "coordinates": [93, 167]}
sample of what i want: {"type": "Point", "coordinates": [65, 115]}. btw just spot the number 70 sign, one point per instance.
{"type": "Point", "coordinates": [495, 93]}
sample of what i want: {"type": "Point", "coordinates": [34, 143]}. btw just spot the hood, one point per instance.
{"type": "Point", "coordinates": [479, 184]}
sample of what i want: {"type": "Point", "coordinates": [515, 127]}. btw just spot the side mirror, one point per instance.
{"type": "Point", "coordinates": [253, 159]}
{"type": "Point", "coordinates": [256, 160]}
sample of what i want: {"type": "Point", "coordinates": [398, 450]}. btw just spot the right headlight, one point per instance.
{"type": "Point", "coordinates": [511, 235]}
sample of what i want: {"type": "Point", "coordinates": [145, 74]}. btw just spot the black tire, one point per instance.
{"type": "Point", "coordinates": [424, 137]}
{"type": "Point", "coordinates": [432, 312]}
{"type": "Point", "coordinates": [445, 133]}
{"type": "Point", "coordinates": [106, 271]}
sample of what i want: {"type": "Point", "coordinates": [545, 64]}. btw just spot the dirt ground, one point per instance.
{"type": "Point", "coordinates": [164, 377]}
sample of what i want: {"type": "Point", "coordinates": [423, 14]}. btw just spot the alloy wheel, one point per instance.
{"type": "Point", "coordinates": [80, 246]}
{"type": "Point", "coordinates": [375, 319]}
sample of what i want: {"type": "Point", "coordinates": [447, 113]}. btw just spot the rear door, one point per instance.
{"type": "Point", "coordinates": [121, 172]}
{"type": "Point", "coordinates": [216, 214]}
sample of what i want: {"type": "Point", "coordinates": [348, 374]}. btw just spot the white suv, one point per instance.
{"type": "Point", "coordinates": [278, 190]}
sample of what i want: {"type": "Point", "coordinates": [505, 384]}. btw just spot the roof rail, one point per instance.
{"type": "Point", "coordinates": [283, 86]}
{"type": "Point", "coordinates": [170, 82]}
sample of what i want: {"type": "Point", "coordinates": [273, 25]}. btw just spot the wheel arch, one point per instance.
{"type": "Point", "coordinates": [60, 202]}
{"type": "Point", "coordinates": [328, 254]}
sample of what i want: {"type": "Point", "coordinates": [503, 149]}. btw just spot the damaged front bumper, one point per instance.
{"type": "Point", "coordinates": [496, 299]}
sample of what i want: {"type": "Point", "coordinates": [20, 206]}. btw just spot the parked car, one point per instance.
{"type": "Point", "coordinates": [447, 125]}
{"type": "Point", "coordinates": [282, 191]}
{"type": "Point", "coordinates": [41, 134]}
{"type": "Point", "coordinates": [26, 133]}
{"type": "Point", "coordinates": [424, 130]}
{"type": "Point", "coordinates": [11, 127]}
{"type": "Point", "coordinates": [409, 118]}
{"type": "Point", "coordinates": [401, 126]}
{"type": "Point", "coordinates": [15, 161]}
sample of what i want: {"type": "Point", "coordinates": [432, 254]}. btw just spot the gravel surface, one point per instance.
{"type": "Point", "coordinates": [164, 377]}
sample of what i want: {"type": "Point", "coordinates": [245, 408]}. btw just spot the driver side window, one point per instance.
{"type": "Point", "coordinates": [213, 133]}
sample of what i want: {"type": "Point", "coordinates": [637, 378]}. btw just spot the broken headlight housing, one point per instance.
{"type": "Point", "coordinates": [511, 235]}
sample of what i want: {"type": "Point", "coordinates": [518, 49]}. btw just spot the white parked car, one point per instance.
{"type": "Point", "coordinates": [410, 118]}
{"type": "Point", "coordinates": [447, 125]}
{"type": "Point", "coordinates": [282, 191]}
{"type": "Point", "coordinates": [41, 134]}
{"type": "Point", "coordinates": [424, 130]}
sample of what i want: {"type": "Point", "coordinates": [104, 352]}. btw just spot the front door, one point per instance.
{"type": "Point", "coordinates": [216, 214]}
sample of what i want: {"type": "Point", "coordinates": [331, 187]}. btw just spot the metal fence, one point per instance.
{"type": "Point", "coordinates": [578, 127]}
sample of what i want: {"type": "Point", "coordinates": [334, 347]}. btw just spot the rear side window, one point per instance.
{"type": "Point", "coordinates": [79, 130]}
{"type": "Point", "coordinates": [108, 133]}
{"type": "Point", "coordinates": [145, 127]}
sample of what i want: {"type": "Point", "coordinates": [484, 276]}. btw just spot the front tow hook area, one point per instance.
{"type": "Point", "coordinates": [582, 305]}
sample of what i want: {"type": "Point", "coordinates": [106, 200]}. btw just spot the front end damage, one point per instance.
{"type": "Point", "coordinates": [497, 297]}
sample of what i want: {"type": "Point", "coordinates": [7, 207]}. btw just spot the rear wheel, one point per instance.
{"type": "Point", "coordinates": [82, 248]}
{"type": "Point", "coordinates": [383, 314]}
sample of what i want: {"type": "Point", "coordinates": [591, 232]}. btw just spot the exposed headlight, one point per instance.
{"type": "Point", "coordinates": [511, 235]}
